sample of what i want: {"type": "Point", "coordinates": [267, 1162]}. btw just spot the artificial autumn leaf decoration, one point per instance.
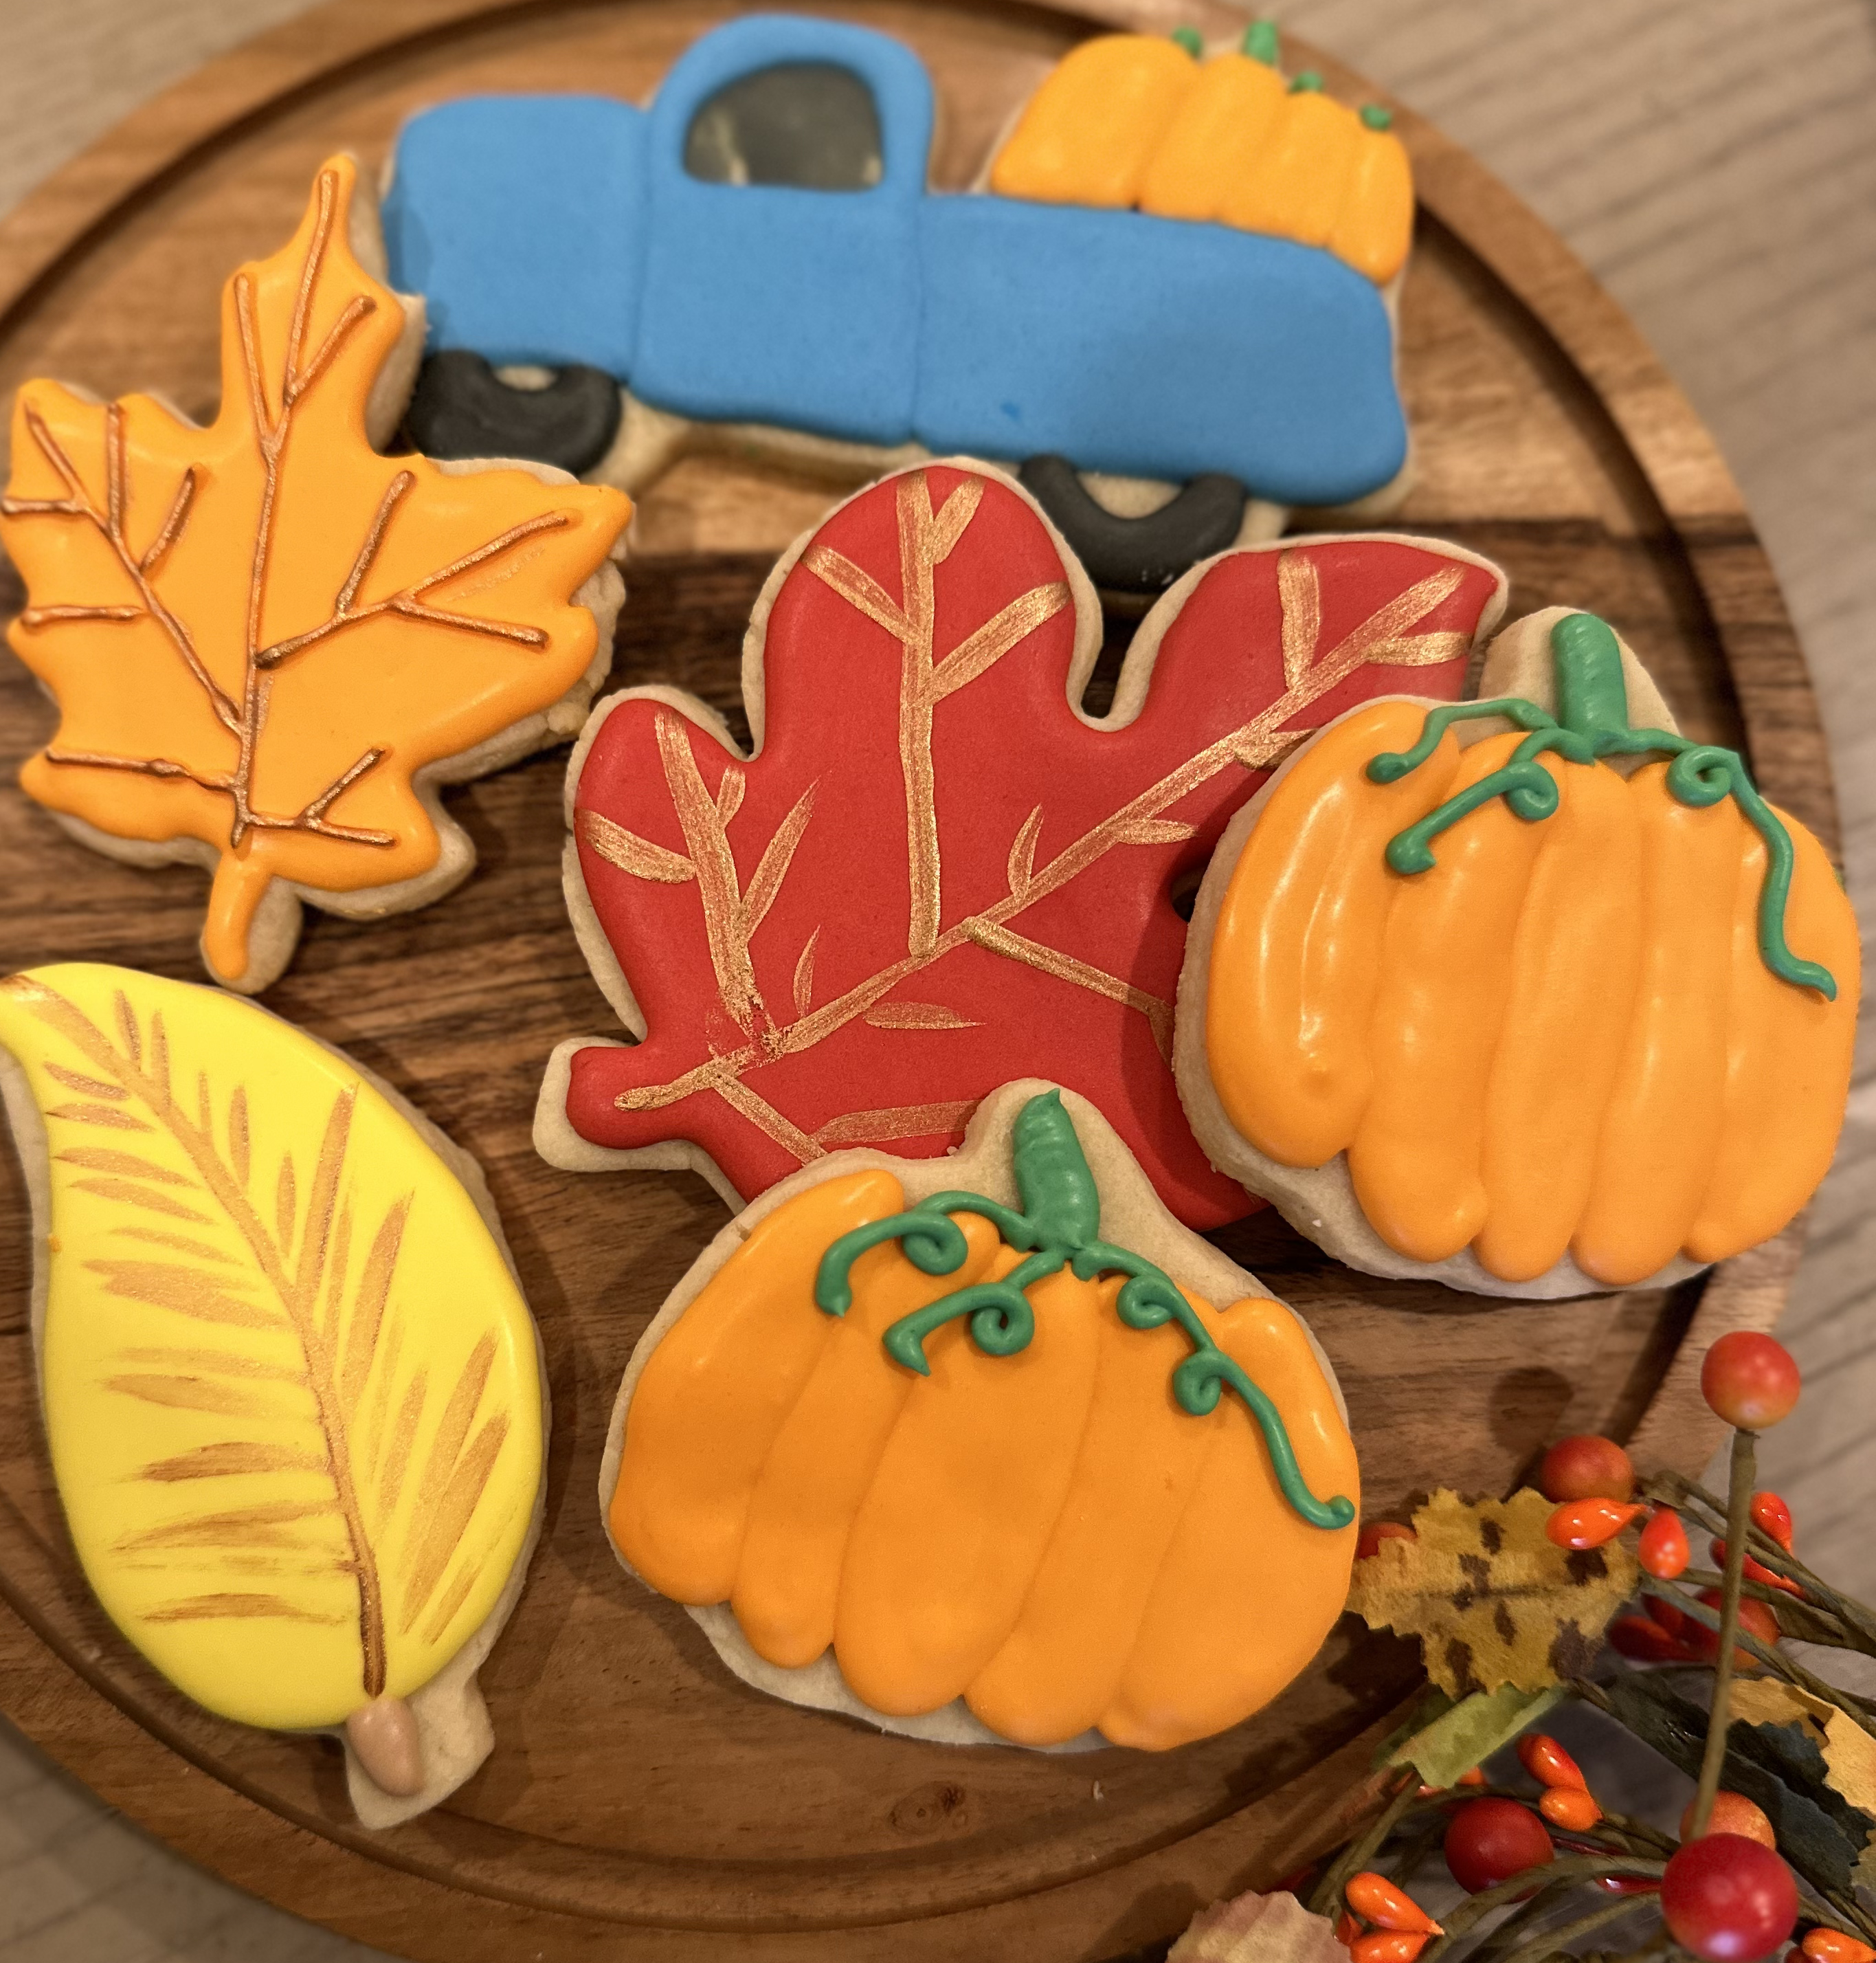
{"type": "Point", "coordinates": [270, 644]}
{"type": "Point", "coordinates": [937, 874]}
{"type": "Point", "coordinates": [290, 1384]}
{"type": "Point", "coordinates": [1492, 1599]}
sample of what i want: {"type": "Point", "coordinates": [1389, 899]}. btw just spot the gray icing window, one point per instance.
{"type": "Point", "coordinates": [810, 124]}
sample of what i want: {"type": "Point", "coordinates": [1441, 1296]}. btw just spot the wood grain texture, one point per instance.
{"type": "Point", "coordinates": [1520, 457]}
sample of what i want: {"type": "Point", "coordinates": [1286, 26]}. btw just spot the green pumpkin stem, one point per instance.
{"type": "Point", "coordinates": [1058, 1228]}
{"type": "Point", "coordinates": [1592, 722]}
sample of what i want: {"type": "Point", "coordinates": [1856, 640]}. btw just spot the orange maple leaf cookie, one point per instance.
{"type": "Point", "coordinates": [271, 645]}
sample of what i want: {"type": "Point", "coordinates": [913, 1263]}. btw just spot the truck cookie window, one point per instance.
{"type": "Point", "coordinates": [1170, 306]}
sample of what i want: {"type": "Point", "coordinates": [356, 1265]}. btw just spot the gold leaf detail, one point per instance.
{"type": "Point", "coordinates": [198, 1393]}
{"type": "Point", "coordinates": [87, 1087]}
{"type": "Point", "coordinates": [772, 868]}
{"type": "Point", "coordinates": [954, 519]}
{"type": "Point", "coordinates": [188, 1291]}
{"type": "Point", "coordinates": [258, 1526]}
{"type": "Point", "coordinates": [982, 650]}
{"type": "Point", "coordinates": [180, 1243]}
{"type": "Point", "coordinates": [96, 1158]}
{"type": "Point", "coordinates": [128, 1194]}
{"type": "Point", "coordinates": [1014, 947]}
{"type": "Point", "coordinates": [234, 1457]}
{"type": "Point", "coordinates": [899, 1121]}
{"type": "Point", "coordinates": [805, 975]}
{"type": "Point", "coordinates": [240, 1608]}
{"type": "Point", "coordinates": [634, 855]}
{"type": "Point", "coordinates": [286, 1202]}
{"type": "Point", "coordinates": [374, 1290]}
{"type": "Point", "coordinates": [1152, 831]}
{"type": "Point", "coordinates": [1299, 594]}
{"type": "Point", "coordinates": [716, 870]}
{"type": "Point", "coordinates": [917, 1015]}
{"type": "Point", "coordinates": [729, 795]}
{"type": "Point", "coordinates": [97, 1114]}
{"type": "Point", "coordinates": [1418, 650]}
{"type": "Point", "coordinates": [238, 1145]}
{"type": "Point", "coordinates": [1021, 866]}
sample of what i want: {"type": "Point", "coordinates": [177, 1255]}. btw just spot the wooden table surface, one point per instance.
{"type": "Point", "coordinates": [1713, 161]}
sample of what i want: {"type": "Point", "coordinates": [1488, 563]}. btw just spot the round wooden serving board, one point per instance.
{"type": "Point", "coordinates": [641, 1803]}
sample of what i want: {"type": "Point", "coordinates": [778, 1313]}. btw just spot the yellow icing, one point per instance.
{"type": "Point", "coordinates": [1132, 119]}
{"type": "Point", "coordinates": [291, 1388]}
{"type": "Point", "coordinates": [1563, 1039]}
{"type": "Point", "coordinates": [1047, 1535]}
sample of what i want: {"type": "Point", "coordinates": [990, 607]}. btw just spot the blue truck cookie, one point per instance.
{"type": "Point", "coordinates": [760, 247]}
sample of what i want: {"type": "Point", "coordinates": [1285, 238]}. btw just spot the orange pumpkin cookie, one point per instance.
{"type": "Point", "coordinates": [963, 1446]}
{"type": "Point", "coordinates": [1531, 994]}
{"type": "Point", "coordinates": [270, 644]}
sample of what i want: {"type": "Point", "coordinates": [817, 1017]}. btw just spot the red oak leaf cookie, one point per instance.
{"type": "Point", "coordinates": [936, 873]}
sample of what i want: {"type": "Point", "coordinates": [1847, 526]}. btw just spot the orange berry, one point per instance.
{"type": "Point", "coordinates": [1376, 1898]}
{"type": "Point", "coordinates": [1475, 1777]}
{"type": "Point", "coordinates": [1772, 1516]}
{"type": "Point", "coordinates": [1733, 1813]}
{"type": "Point", "coordinates": [1346, 1929]}
{"type": "Point", "coordinates": [1544, 1759]}
{"type": "Point", "coordinates": [1663, 1549]}
{"type": "Point", "coordinates": [1585, 1523]}
{"type": "Point", "coordinates": [1570, 1808]}
{"type": "Point", "coordinates": [1832, 1946]}
{"type": "Point", "coordinates": [1388, 1945]}
{"type": "Point", "coordinates": [1370, 1540]}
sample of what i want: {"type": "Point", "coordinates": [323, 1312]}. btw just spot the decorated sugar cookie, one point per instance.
{"type": "Point", "coordinates": [1531, 1010]}
{"type": "Point", "coordinates": [756, 262]}
{"type": "Point", "coordinates": [270, 645]}
{"type": "Point", "coordinates": [937, 872]}
{"type": "Point", "coordinates": [988, 1448]}
{"type": "Point", "coordinates": [291, 1388]}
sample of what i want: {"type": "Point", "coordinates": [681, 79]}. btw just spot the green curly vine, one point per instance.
{"type": "Point", "coordinates": [1592, 722]}
{"type": "Point", "coordinates": [1057, 1227]}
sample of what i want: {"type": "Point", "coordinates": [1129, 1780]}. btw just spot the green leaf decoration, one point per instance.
{"type": "Point", "coordinates": [291, 1388]}
{"type": "Point", "coordinates": [1468, 1734]}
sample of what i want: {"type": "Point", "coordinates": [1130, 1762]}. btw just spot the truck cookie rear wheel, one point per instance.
{"type": "Point", "coordinates": [1144, 555]}
{"type": "Point", "coordinates": [463, 408]}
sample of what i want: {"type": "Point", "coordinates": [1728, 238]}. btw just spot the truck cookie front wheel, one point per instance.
{"type": "Point", "coordinates": [463, 408]}
{"type": "Point", "coordinates": [1144, 555]}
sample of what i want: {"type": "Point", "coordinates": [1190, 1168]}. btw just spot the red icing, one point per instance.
{"type": "Point", "coordinates": [1001, 743]}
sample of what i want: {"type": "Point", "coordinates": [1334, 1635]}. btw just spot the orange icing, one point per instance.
{"type": "Point", "coordinates": [1048, 1536]}
{"type": "Point", "coordinates": [1132, 120]}
{"type": "Point", "coordinates": [1570, 1041]}
{"type": "Point", "coordinates": [236, 539]}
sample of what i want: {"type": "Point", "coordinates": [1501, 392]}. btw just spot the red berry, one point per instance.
{"type": "Point", "coordinates": [1663, 1549]}
{"type": "Point", "coordinates": [1584, 1523]}
{"type": "Point", "coordinates": [1772, 1516]}
{"type": "Point", "coordinates": [1728, 1899]}
{"type": "Point", "coordinates": [1670, 1615]}
{"type": "Point", "coordinates": [1733, 1813]}
{"type": "Point", "coordinates": [1643, 1641]}
{"type": "Point", "coordinates": [1750, 1380]}
{"type": "Point", "coordinates": [1755, 1619]}
{"type": "Point", "coordinates": [1373, 1535]}
{"type": "Point", "coordinates": [1586, 1467]}
{"type": "Point", "coordinates": [1489, 1840]}
{"type": "Point", "coordinates": [1754, 1571]}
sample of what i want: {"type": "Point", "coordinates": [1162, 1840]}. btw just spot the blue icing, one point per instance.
{"type": "Point", "coordinates": [521, 220]}
{"type": "Point", "coordinates": [556, 229]}
{"type": "Point", "coordinates": [1155, 348]}
{"type": "Point", "coordinates": [768, 304]}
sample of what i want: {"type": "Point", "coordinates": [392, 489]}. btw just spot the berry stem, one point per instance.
{"type": "Point", "coordinates": [1357, 1855]}
{"type": "Point", "coordinates": [1739, 1514]}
